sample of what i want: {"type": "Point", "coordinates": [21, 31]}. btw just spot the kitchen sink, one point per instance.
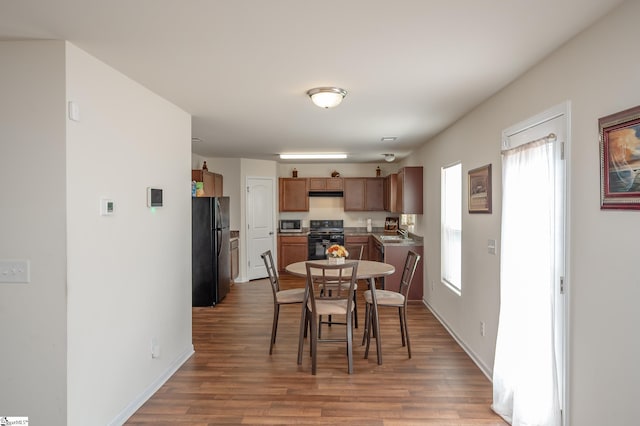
{"type": "Point", "coordinates": [394, 239]}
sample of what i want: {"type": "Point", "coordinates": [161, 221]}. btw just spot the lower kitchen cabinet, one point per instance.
{"type": "Point", "coordinates": [358, 241]}
{"type": "Point", "coordinates": [291, 248]}
{"type": "Point", "coordinates": [396, 255]}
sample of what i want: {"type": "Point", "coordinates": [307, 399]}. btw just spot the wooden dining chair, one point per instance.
{"type": "Point", "coordinates": [395, 299]}
{"type": "Point", "coordinates": [280, 297]}
{"type": "Point", "coordinates": [355, 253]}
{"type": "Point", "coordinates": [329, 292]}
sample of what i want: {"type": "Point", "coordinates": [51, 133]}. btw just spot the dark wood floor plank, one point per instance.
{"type": "Point", "coordinates": [233, 380]}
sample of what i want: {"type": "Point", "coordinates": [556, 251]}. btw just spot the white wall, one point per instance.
{"type": "Point", "coordinates": [33, 323]}
{"type": "Point", "coordinates": [599, 73]}
{"type": "Point", "coordinates": [129, 275]}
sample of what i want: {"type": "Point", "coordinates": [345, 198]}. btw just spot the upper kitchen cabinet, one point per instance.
{"type": "Point", "coordinates": [293, 194]}
{"type": "Point", "coordinates": [211, 182]}
{"type": "Point", "coordinates": [390, 193]}
{"type": "Point", "coordinates": [364, 194]}
{"type": "Point", "coordinates": [409, 190]}
{"type": "Point", "coordinates": [325, 184]}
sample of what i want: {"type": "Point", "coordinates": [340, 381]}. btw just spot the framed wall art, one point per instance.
{"type": "Point", "coordinates": [620, 160]}
{"type": "Point", "coordinates": [480, 190]}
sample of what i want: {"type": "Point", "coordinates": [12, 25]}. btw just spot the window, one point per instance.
{"type": "Point", "coordinates": [451, 227]}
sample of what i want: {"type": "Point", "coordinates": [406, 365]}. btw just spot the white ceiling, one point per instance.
{"type": "Point", "coordinates": [242, 67]}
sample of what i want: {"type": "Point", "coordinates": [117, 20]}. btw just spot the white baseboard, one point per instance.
{"type": "Point", "coordinates": [134, 405]}
{"type": "Point", "coordinates": [481, 365]}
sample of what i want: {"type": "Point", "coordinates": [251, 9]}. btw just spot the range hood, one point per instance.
{"type": "Point", "coordinates": [326, 194]}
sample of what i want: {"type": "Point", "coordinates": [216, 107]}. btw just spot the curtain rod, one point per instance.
{"type": "Point", "coordinates": [550, 137]}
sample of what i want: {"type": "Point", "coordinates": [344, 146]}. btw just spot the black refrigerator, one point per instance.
{"type": "Point", "coordinates": [211, 267]}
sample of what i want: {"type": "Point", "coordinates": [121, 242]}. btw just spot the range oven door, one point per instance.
{"type": "Point", "coordinates": [318, 244]}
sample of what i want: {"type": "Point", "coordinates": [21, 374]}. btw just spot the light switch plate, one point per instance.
{"type": "Point", "coordinates": [14, 271]}
{"type": "Point", "coordinates": [491, 246]}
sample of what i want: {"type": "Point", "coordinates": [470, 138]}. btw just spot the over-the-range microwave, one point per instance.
{"type": "Point", "coordinates": [290, 225]}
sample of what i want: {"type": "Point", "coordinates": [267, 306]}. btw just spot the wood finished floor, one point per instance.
{"type": "Point", "coordinates": [231, 379]}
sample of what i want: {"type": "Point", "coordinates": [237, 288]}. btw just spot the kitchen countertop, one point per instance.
{"type": "Point", "coordinates": [377, 233]}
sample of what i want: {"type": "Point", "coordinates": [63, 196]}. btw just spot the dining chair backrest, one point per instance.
{"type": "Point", "coordinates": [272, 273]}
{"type": "Point", "coordinates": [355, 251]}
{"type": "Point", "coordinates": [408, 271]}
{"type": "Point", "coordinates": [330, 282]}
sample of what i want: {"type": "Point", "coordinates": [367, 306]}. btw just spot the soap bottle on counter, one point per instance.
{"type": "Point", "coordinates": [369, 228]}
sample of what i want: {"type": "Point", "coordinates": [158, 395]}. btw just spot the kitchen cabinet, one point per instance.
{"type": "Point", "coordinates": [212, 182]}
{"type": "Point", "coordinates": [409, 198]}
{"type": "Point", "coordinates": [293, 194]}
{"type": "Point", "coordinates": [396, 255]}
{"type": "Point", "coordinates": [235, 260]}
{"type": "Point", "coordinates": [358, 241]}
{"type": "Point", "coordinates": [364, 194]}
{"type": "Point", "coordinates": [325, 184]}
{"type": "Point", "coordinates": [391, 193]}
{"type": "Point", "coordinates": [291, 248]}
{"type": "Point", "coordinates": [376, 250]}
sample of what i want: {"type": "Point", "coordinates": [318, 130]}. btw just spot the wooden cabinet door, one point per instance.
{"type": "Point", "coordinates": [317, 184]}
{"type": "Point", "coordinates": [325, 184]}
{"type": "Point", "coordinates": [396, 255]}
{"type": "Point", "coordinates": [354, 242]}
{"type": "Point", "coordinates": [217, 185]}
{"type": "Point", "coordinates": [409, 194]}
{"type": "Point", "coordinates": [375, 250]}
{"type": "Point", "coordinates": [211, 182]}
{"type": "Point", "coordinates": [334, 184]}
{"type": "Point", "coordinates": [374, 194]}
{"type": "Point", "coordinates": [391, 193]}
{"type": "Point", "coordinates": [291, 249]}
{"type": "Point", "coordinates": [293, 194]}
{"type": "Point", "coordinates": [354, 194]}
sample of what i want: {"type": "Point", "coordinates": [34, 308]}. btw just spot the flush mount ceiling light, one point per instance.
{"type": "Point", "coordinates": [312, 156]}
{"type": "Point", "coordinates": [389, 139]}
{"type": "Point", "coordinates": [327, 97]}
{"type": "Point", "coordinates": [389, 157]}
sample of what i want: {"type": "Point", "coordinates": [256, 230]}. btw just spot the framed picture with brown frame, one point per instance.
{"type": "Point", "coordinates": [620, 160]}
{"type": "Point", "coordinates": [480, 190]}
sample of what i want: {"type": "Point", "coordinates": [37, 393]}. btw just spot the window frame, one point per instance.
{"type": "Point", "coordinates": [446, 198]}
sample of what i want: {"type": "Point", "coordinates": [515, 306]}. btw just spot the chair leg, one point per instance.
{"type": "Point", "coordinates": [355, 309]}
{"type": "Point", "coordinates": [304, 324]}
{"type": "Point", "coordinates": [401, 318]}
{"type": "Point", "coordinates": [314, 342]}
{"type": "Point", "coordinates": [406, 330]}
{"type": "Point", "coordinates": [274, 326]}
{"type": "Point", "coordinates": [349, 344]}
{"type": "Point", "coordinates": [366, 323]}
{"type": "Point", "coordinates": [369, 330]}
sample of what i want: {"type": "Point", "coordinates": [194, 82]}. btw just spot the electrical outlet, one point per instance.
{"type": "Point", "coordinates": [482, 328]}
{"type": "Point", "coordinates": [14, 271]}
{"type": "Point", "coordinates": [431, 285]}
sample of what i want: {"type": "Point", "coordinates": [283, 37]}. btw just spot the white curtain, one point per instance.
{"type": "Point", "coordinates": [525, 384]}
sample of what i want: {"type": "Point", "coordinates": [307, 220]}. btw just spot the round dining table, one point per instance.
{"type": "Point", "coordinates": [367, 270]}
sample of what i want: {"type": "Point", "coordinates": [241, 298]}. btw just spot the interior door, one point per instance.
{"type": "Point", "coordinates": [260, 224]}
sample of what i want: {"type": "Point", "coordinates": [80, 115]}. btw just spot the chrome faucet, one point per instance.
{"type": "Point", "coordinates": [403, 232]}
